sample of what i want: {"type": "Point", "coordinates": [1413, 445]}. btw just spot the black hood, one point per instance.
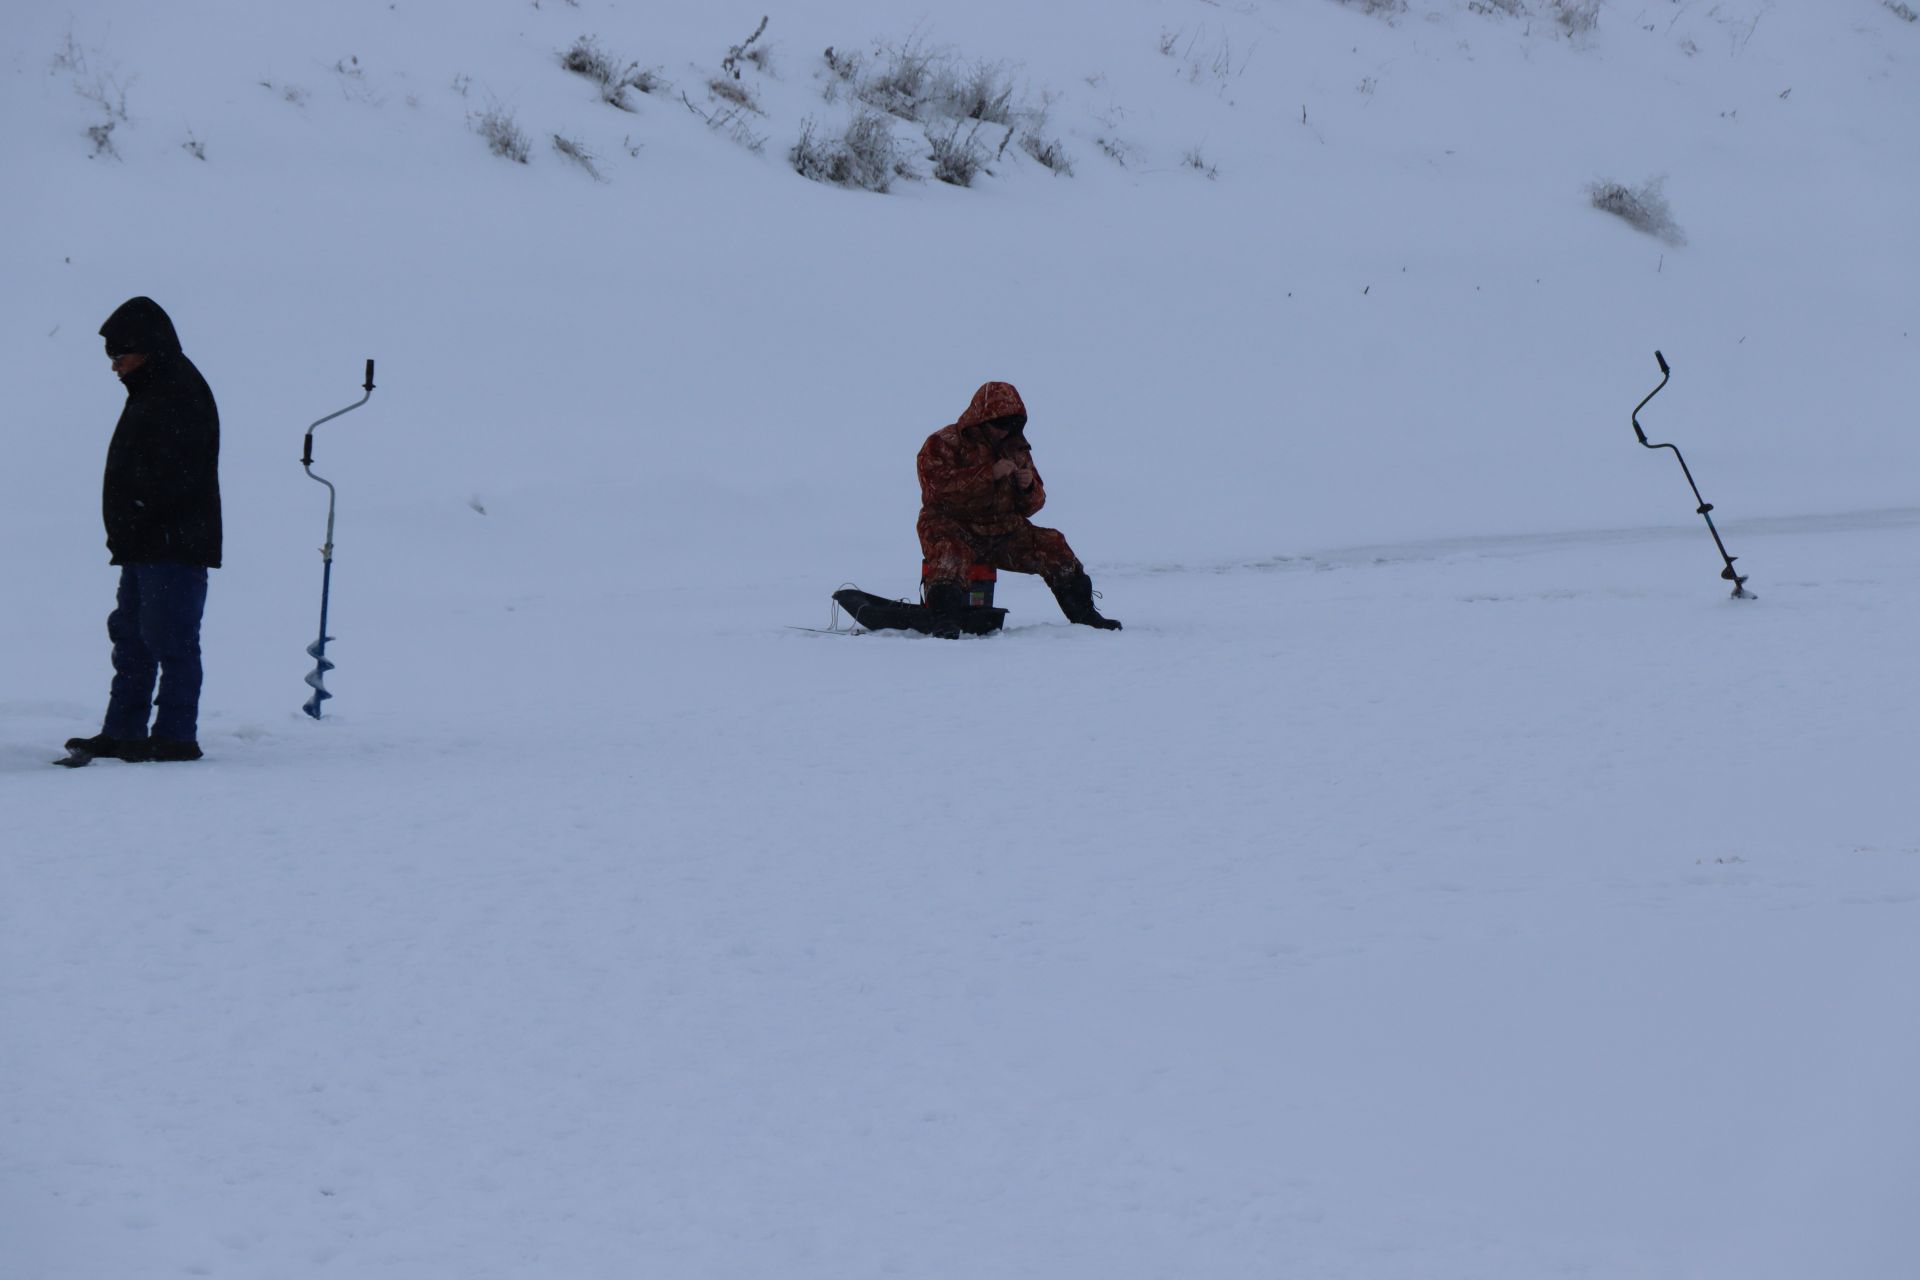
{"type": "Point", "coordinates": [139, 327]}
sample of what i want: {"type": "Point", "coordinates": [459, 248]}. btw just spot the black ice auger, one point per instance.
{"type": "Point", "coordinates": [1705, 508]}
{"type": "Point", "coordinates": [316, 679]}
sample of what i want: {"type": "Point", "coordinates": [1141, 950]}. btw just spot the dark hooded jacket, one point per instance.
{"type": "Point", "coordinates": [161, 496]}
{"type": "Point", "coordinates": [956, 467]}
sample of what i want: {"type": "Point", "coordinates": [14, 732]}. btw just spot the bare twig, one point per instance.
{"type": "Point", "coordinates": [731, 63]}
{"type": "Point", "coordinates": [577, 153]}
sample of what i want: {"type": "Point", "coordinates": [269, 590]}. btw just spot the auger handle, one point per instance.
{"type": "Point", "coordinates": [1665, 373]}
{"type": "Point", "coordinates": [368, 387]}
{"type": "Point", "coordinates": [306, 455]}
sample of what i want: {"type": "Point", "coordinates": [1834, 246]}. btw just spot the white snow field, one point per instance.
{"type": "Point", "coordinates": [1439, 878]}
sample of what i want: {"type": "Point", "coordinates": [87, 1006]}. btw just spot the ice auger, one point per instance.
{"type": "Point", "coordinates": [316, 678]}
{"type": "Point", "coordinates": [1705, 508]}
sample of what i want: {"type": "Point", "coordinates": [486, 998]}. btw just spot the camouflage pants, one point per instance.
{"type": "Point", "coordinates": [950, 548]}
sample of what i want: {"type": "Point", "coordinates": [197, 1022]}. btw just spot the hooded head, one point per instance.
{"type": "Point", "coordinates": [996, 400]}
{"type": "Point", "coordinates": [139, 327]}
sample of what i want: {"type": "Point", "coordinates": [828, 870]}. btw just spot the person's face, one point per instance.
{"type": "Point", "coordinates": [126, 364]}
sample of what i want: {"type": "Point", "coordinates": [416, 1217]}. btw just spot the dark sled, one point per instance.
{"type": "Point", "coordinates": [877, 613]}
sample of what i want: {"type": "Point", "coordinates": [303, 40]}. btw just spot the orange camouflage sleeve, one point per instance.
{"type": "Point", "coordinates": [1034, 497]}
{"type": "Point", "coordinates": [953, 483]}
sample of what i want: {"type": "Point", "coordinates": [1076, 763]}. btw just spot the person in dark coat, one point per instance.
{"type": "Point", "coordinates": [161, 503]}
{"type": "Point", "coordinates": [978, 493]}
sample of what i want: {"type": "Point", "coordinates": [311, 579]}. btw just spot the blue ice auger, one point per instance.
{"type": "Point", "coordinates": [1739, 580]}
{"type": "Point", "coordinates": [318, 649]}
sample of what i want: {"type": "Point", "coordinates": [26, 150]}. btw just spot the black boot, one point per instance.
{"type": "Point", "coordinates": [1075, 594]}
{"type": "Point", "coordinates": [102, 747]}
{"type": "Point", "coordinates": [169, 750]}
{"type": "Point", "coordinates": [945, 601]}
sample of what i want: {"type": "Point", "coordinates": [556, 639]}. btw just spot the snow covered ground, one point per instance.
{"type": "Point", "coordinates": [1439, 877]}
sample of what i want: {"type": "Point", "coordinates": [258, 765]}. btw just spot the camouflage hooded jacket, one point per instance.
{"type": "Point", "coordinates": [956, 467]}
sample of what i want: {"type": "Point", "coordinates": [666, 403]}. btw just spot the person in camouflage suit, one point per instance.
{"type": "Point", "coordinates": [978, 493]}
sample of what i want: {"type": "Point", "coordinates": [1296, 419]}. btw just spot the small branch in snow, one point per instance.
{"type": "Point", "coordinates": [731, 63]}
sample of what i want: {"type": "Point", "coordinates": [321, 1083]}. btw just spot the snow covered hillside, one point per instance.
{"type": "Point", "coordinates": [1439, 877]}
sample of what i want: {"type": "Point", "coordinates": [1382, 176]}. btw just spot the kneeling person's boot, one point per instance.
{"type": "Point", "coordinates": [1075, 594]}
{"type": "Point", "coordinates": [945, 601]}
{"type": "Point", "coordinates": [102, 747]}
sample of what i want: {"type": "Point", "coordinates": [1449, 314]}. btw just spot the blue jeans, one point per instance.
{"type": "Point", "coordinates": [155, 629]}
